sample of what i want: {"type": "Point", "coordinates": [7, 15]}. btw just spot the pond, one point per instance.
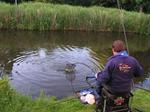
{"type": "Point", "coordinates": [36, 61]}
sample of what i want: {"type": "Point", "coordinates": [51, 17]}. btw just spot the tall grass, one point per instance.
{"type": "Point", "coordinates": [42, 16]}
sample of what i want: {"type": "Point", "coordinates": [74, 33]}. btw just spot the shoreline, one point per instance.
{"type": "Point", "coordinates": [12, 101]}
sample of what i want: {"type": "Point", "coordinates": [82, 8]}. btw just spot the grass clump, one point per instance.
{"type": "Point", "coordinates": [43, 16]}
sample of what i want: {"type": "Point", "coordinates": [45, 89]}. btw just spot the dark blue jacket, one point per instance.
{"type": "Point", "coordinates": [119, 72]}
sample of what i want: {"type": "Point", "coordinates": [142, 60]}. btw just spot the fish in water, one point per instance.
{"type": "Point", "coordinates": [70, 68]}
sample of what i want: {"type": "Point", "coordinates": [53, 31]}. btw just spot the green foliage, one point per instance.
{"type": "Point", "coordinates": [42, 16]}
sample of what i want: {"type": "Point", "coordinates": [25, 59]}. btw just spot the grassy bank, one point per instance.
{"type": "Point", "coordinates": [11, 101]}
{"type": "Point", "coordinates": [40, 16]}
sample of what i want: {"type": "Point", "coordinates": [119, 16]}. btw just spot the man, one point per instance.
{"type": "Point", "coordinates": [119, 70]}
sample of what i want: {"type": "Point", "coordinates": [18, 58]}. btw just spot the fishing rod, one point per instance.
{"type": "Point", "coordinates": [126, 41]}
{"type": "Point", "coordinates": [135, 86]}
{"type": "Point", "coordinates": [122, 24]}
{"type": "Point", "coordinates": [139, 87]}
{"type": "Point", "coordinates": [93, 77]}
{"type": "Point", "coordinates": [124, 30]}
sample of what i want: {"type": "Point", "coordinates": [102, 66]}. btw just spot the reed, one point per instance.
{"type": "Point", "coordinates": [42, 16]}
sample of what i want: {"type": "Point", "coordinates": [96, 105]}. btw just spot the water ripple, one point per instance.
{"type": "Point", "coordinates": [43, 69]}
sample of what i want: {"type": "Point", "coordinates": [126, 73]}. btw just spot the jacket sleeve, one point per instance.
{"type": "Point", "coordinates": [138, 69]}
{"type": "Point", "coordinates": [104, 76]}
